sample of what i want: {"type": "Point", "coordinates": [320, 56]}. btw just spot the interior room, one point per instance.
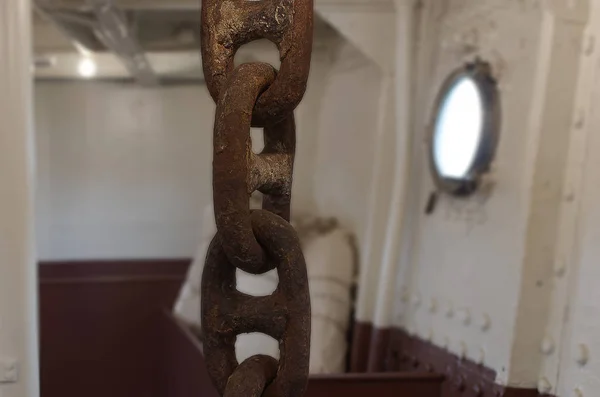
{"type": "Point", "coordinates": [299, 198]}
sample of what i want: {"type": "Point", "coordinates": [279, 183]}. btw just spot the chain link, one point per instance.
{"type": "Point", "coordinates": [284, 315]}
{"type": "Point", "coordinates": [255, 94]}
{"type": "Point", "coordinates": [229, 24]}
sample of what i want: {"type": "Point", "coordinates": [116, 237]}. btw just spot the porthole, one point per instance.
{"type": "Point", "coordinates": [464, 129]}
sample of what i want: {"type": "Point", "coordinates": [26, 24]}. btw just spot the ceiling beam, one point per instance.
{"type": "Point", "coordinates": [354, 5]}
{"type": "Point", "coordinates": [78, 34]}
{"type": "Point", "coordinates": [114, 31]}
{"type": "Point", "coordinates": [109, 26]}
{"type": "Point", "coordinates": [372, 33]}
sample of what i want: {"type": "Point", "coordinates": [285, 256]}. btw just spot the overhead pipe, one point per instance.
{"type": "Point", "coordinates": [114, 31]}
{"type": "Point", "coordinates": [108, 30]}
{"type": "Point", "coordinates": [76, 28]}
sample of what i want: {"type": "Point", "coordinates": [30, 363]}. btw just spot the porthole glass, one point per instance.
{"type": "Point", "coordinates": [465, 129]}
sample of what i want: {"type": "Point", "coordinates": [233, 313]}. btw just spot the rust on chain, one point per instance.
{"type": "Point", "coordinates": [255, 94]}
{"type": "Point", "coordinates": [237, 171]}
{"type": "Point", "coordinates": [251, 377]}
{"type": "Point", "coordinates": [284, 315]}
{"type": "Point", "coordinates": [229, 24]}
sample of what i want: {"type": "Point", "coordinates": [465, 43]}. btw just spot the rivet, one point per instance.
{"type": "Point", "coordinates": [428, 368]}
{"type": "Point", "coordinates": [463, 349]}
{"type": "Point", "coordinates": [544, 386]}
{"type": "Point", "coordinates": [449, 310]}
{"type": "Point", "coordinates": [547, 346]}
{"type": "Point", "coordinates": [560, 267]}
{"type": "Point", "coordinates": [433, 305]}
{"type": "Point", "coordinates": [580, 120]}
{"type": "Point", "coordinates": [416, 300]}
{"type": "Point", "coordinates": [577, 392]}
{"type": "Point", "coordinates": [485, 322]}
{"type": "Point", "coordinates": [478, 390]}
{"type": "Point", "coordinates": [481, 356]}
{"type": "Point", "coordinates": [539, 283]}
{"type": "Point", "coordinates": [569, 197]}
{"type": "Point", "coordinates": [583, 354]}
{"type": "Point", "coordinates": [465, 316]}
{"type": "Point", "coordinates": [589, 45]}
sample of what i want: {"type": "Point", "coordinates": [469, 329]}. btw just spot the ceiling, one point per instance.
{"type": "Point", "coordinates": [149, 41]}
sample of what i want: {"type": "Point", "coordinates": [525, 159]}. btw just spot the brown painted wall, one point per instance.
{"type": "Point", "coordinates": [464, 378]}
{"type": "Point", "coordinates": [103, 333]}
{"type": "Point", "coordinates": [185, 374]}
{"type": "Point", "coordinates": [98, 325]}
{"type": "Point", "coordinates": [393, 350]}
{"type": "Point", "coordinates": [359, 348]}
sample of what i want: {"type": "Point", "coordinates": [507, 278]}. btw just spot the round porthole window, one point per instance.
{"type": "Point", "coordinates": [465, 128]}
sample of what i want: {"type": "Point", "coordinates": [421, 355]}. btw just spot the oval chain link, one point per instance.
{"type": "Point", "coordinates": [229, 24]}
{"type": "Point", "coordinates": [284, 315]}
{"type": "Point", "coordinates": [237, 171]}
{"type": "Point", "coordinates": [255, 94]}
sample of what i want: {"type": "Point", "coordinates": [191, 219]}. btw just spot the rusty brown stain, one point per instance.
{"type": "Point", "coordinates": [251, 377]}
{"type": "Point", "coordinates": [237, 171]}
{"type": "Point", "coordinates": [255, 94]}
{"type": "Point", "coordinates": [229, 24]}
{"type": "Point", "coordinates": [284, 315]}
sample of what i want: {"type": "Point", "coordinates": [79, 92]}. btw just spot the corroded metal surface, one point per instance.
{"type": "Point", "coordinates": [284, 315]}
{"type": "Point", "coordinates": [255, 94]}
{"type": "Point", "coordinates": [251, 377]}
{"type": "Point", "coordinates": [237, 171]}
{"type": "Point", "coordinates": [229, 24]}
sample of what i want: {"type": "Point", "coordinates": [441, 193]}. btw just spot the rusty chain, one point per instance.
{"type": "Point", "coordinates": [255, 95]}
{"type": "Point", "coordinates": [229, 24]}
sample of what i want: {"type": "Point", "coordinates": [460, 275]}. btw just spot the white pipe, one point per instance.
{"type": "Point", "coordinates": [115, 32]}
{"type": "Point", "coordinates": [387, 279]}
{"type": "Point", "coordinates": [18, 271]}
{"type": "Point", "coordinates": [371, 256]}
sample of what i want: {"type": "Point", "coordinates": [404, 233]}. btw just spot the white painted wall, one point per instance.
{"type": "Point", "coordinates": [479, 242]}
{"type": "Point", "coordinates": [507, 278]}
{"type": "Point", "coordinates": [371, 27]}
{"type": "Point", "coordinates": [572, 368]}
{"type": "Point", "coordinates": [477, 275]}
{"type": "Point", "coordinates": [345, 141]}
{"type": "Point", "coordinates": [18, 271]}
{"type": "Point", "coordinates": [125, 172]}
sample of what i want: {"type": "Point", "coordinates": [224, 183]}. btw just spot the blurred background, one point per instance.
{"type": "Point", "coordinates": [445, 195]}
